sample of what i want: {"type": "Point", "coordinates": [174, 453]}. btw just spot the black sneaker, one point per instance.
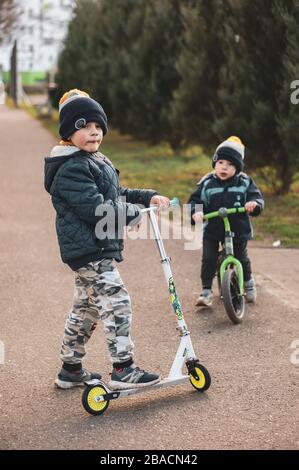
{"type": "Point", "coordinates": [77, 378]}
{"type": "Point", "coordinates": [131, 377]}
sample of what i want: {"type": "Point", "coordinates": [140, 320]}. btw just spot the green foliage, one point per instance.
{"type": "Point", "coordinates": [255, 95]}
{"type": "Point", "coordinates": [153, 76]}
{"type": "Point", "coordinates": [124, 53]}
{"type": "Point", "coordinates": [288, 114]}
{"type": "Point", "coordinates": [127, 21]}
{"type": "Point", "coordinates": [201, 57]}
{"type": "Point", "coordinates": [193, 72]}
{"type": "Point", "coordinates": [77, 63]}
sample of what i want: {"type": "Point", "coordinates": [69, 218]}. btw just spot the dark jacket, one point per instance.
{"type": "Point", "coordinates": [85, 192]}
{"type": "Point", "coordinates": [214, 193]}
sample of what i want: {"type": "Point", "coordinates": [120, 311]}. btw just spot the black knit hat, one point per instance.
{"type": "Point", "coordinates": [76, 111]}
{"type": "Point", "coordinates": [232, 150]}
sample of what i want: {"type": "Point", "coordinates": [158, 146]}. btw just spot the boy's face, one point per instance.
{"type": "Point", "coordinates": [88, 138]}
{"type": "Point", "coordinates": [224, 169]}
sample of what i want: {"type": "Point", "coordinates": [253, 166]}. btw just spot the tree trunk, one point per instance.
{"type": "Point", "coordinates": [285, 175]}
{"type": "Point", "coordinates": [175, 142]}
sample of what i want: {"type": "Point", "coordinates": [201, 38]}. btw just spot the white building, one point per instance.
{"type": "Point", "coordinates": [40, 30]}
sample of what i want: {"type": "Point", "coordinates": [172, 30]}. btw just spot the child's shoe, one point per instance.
{"type": "Point", "coordinates": [131, 377]}
{"type": "Point", "coordinates": [205, 298]}
{"type": "Point", "coordinates": [250, 290]}
{"type": "Point", "coordinates": [66, 379]}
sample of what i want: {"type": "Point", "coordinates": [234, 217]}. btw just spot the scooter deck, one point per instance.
{"type": "Point", "coordinates": [111, 394]}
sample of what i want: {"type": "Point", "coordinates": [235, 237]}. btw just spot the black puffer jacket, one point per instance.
{"type": "Point", "coordinates": [85, 192]}
{"type": "Point", "coordinates": [214, 193]}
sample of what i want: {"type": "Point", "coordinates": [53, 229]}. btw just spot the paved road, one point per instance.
{"type": "Point", "coordinates": [253, 400]}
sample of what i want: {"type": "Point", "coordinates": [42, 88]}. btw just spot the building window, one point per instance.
{"type": "Point", "coordinates": [48, 41]}
{"type": "Point", "coordinates": [67, 4]}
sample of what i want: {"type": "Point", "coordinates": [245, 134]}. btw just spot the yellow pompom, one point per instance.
{"type": "Point", "coordinates": [70, 93]}
{"type": "Point", "coordinates": [234, 138]}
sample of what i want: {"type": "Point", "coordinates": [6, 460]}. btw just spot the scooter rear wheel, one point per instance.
{"type": "Point", "coordinates": [202, 381]}
{"type": "Point", "coordinates": [91, 399]}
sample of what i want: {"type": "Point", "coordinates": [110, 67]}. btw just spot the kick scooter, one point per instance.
{"type": "Point", "coordinates": [230, 270]}
{"type": "Point", "coordinates": [97, 395]}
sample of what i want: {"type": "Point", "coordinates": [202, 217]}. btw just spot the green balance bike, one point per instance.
{"type": "Point", "coordinates": [97, 395]}
{"type": "Point", "coordinates": [229, 270]}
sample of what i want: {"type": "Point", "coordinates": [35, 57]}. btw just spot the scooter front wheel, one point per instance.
{"type": "Point", "coordinates": [92, 399]}
{"type": "Point", "coordinates": [200, 378]}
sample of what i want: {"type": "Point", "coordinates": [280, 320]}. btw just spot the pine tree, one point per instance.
{"type": "Point", "coordinates": [76, 63]}
{"type": "Point", "coordinates": [288, 112]}
{"type": "Point", "coordinates": [199, 63]}
{"type": "Point", "coordinates": [8, 19]}
{"type": "Point", "coordinates": [153, 75]}
{"type": "Point", "coordinates": [124, 54]}
{"type": "Point", "coordinates": [255, 89]}
{"type": "Point", "coordinates": [122, 25]}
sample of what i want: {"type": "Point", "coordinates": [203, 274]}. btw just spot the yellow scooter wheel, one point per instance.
{"type": "Point", "coordinates": [202, 381]}
{"type": "Point", "coordinates": [92, 400]}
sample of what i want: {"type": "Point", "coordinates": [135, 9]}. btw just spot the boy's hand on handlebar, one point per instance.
{"type": "Point", "coordinates": [250, 206]}
{"type": "Point", "coordinates": [161, 202]}
{"type": "Point", "coordinates": [197, 216]}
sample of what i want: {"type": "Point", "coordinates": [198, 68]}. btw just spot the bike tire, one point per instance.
{"type": "Point", "coordinates": [234, 302]}
{"type": "Point", "coordinates": [219, 285]}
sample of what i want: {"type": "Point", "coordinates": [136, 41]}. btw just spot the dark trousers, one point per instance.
{"type": "Point", "coordinates": [210, 256]}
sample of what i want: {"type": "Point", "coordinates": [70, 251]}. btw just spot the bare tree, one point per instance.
{"type": "Point", "coordinates": [8, 16]}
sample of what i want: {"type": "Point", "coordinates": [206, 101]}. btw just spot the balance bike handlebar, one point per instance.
{"type": "Point", "coordinates": [224, 212]}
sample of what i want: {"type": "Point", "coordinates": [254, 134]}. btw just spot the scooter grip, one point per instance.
{"type": "Point", "coordinates": [174, 202]}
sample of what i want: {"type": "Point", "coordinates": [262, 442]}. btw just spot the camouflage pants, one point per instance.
{"type": "Point", "coordinates": [99, 294]}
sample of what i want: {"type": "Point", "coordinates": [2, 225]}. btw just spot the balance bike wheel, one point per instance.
{"type": "Point", "coordinates": [234, 302]}
{"type": "Point", "coordinates": [219, 285]}
{"type": "Point", "coordinates": [91, 399]}
{"type": "Point", "coordinates": [203, 380]}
